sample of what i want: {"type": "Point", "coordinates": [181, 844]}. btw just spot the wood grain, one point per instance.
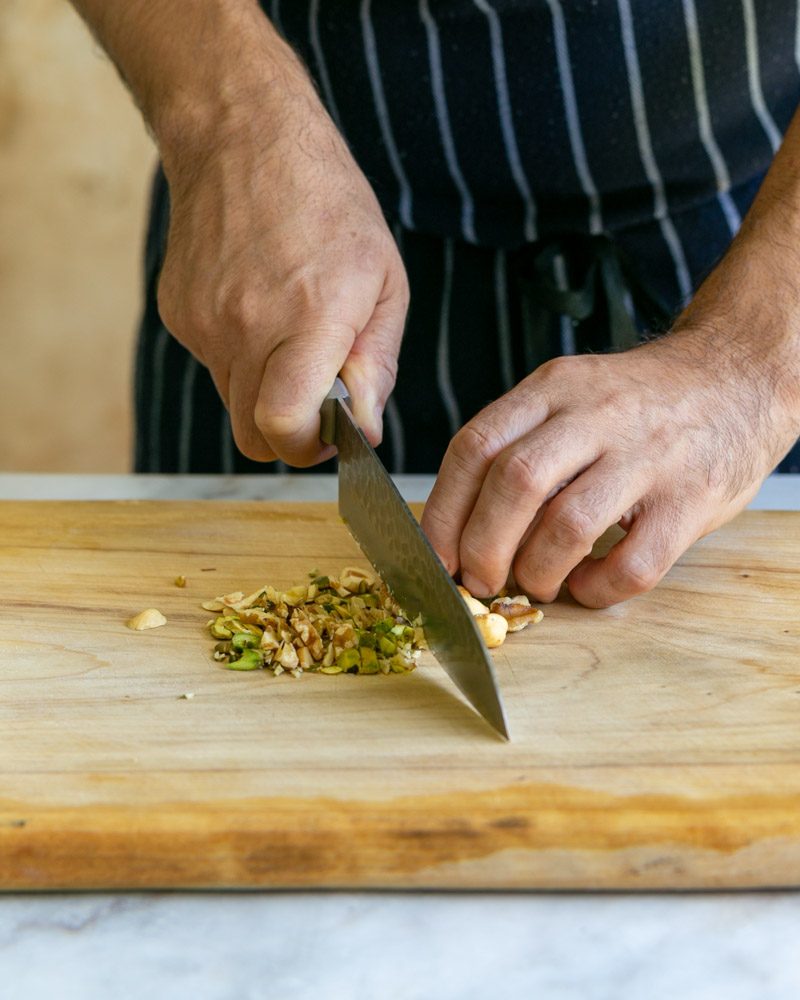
{"type": "Point", "coordinates": [654, 745]}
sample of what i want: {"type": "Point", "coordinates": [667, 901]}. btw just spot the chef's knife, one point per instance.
{"type": "Point", "coordinates": [392, 540]}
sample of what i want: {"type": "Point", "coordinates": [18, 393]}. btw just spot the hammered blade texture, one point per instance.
{"type": "Point", "coordinates": [390, 537]}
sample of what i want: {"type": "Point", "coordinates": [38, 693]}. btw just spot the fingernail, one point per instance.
{"type": "Point", "coordinates": [476, 587]}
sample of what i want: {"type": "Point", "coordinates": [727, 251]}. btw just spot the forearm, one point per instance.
{"type": "Point", "coordinates": [197, 69]}
{"type": "Point", "coordinates": [750, 303]}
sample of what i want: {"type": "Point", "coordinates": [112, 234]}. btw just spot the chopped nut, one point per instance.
{"type": "Point", "coordinates": [186, 696]}
{"type": "Point", "coordinates": [517, 611]}
{"type": "Point", "coordinates": [493, 628]}
{"type": "Point", "coordinates": [180, 581]}
{"type": "Point", "coordinates": [474, 605]}
{"type": "Point", "coordinates": [230, 600]}
{"type": "Point", "coordinates": [351, 624]}
{"type": "Point", "coordinates": [287, 656]}
{"type": "Point", "coordinates": [215, 605]}
{"type": "Point", "coordinates": [149, 618]}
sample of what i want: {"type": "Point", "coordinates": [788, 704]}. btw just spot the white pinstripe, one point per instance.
{"type": "Point", "coordinates": [562, 284]}
{"type": "Point", "coordinates": [382, 111]}
{"type": "Point", "coordinates": [718, 163]}
{"type": "Point", "coordinates": [319, 55]}
{"type": "Point", "coordinates": [573, 118]}
{"type": "Point", "coordinates": [443, 350]}
{"type": "Point", "coordinates": [226, 444]}
{"type": "Point", "coordinates": [660, 208]}
{"type": "Point", "coordinates": [443, 118]}
{"type": "Point", "coordinates": [394, 424]}
{"type": "Point", "coordinates": [797, 37]}
{"type": "Point", "coordinates": [754, 77]}
{"type": "Point", "coordinates": [503, 323]}
{"type": "Point", "coordinates": [156, 402]}
{"type": "Point", "coordinates": [275, 15]}
{"type": "Point", "coordinates": [394, 417]}
{"type": "Point", "coordinates": [506, 117]}
{"type": "Point", "coordinates": [187, 414]}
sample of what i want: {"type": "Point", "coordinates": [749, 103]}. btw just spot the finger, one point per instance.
{"type": "Point", "coordinates": [516, 485]}
{"type": "Point", "coordinates": [574, 520]}
{"type": "Point", "coordinates": [466, 463]}
{"type": "Point", "coordinates": [370, 370]}
{"type": "Point", "coordinates": [242, 392]}
{"type": "Point", "coordinates": [638, 562]}
{"type": "Point", "coordinates": [297, 377]}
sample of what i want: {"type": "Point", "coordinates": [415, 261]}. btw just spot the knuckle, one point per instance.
{"type": "Point", "coordinates": [243, 310]}
{"type": "Point", "coordinates": [476, 440]}
{"type": "Point", "coordinates": [557, 366]}
{"type": "Point", "coordinates": [570, 367]}
{"type": "Point", "coordinates": [385, 371]}
{"type": "Point", "coordinates": [519, 475]}
{"type": "Point", "coordinates": [635, 573]}
{"type": "Point", "coordinates": [167, 303]}
{"type": "Point", "coordinates": [251, 444]}
{"type": "Point", "coordinates": [570, 524]}
{"type": "Point", "coordinates": [272, 424]}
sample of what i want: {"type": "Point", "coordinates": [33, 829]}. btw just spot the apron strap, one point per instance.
{"type": "Point", "coordinates": [601, 280]}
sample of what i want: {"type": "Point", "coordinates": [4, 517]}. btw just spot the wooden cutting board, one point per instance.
{"type": "Point", "coordinates": [655, 744]}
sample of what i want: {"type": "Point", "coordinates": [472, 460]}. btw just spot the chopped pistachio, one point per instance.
{"type": "Point", "coordinates": [386, 646]}
{"type": "Point", "coordinates": [180, 581]}
{"type": "Point", "coordinates": [346, 625]}
{"type": "Point", "coordinates": [250, 659]}
{"type": "Point", "coordinates": [348, 659]}
{"type": "Point", "coordinates": [150, 618]}
{"type": "Point", "coordinates": [244, 640]}
{"type": "Point", "coordinates": [219, 630]}
{"type": "Point", "coordinates": [369, 661]}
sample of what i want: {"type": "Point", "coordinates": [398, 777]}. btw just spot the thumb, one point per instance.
{"type": "Point", "coordinates": [370, 370]}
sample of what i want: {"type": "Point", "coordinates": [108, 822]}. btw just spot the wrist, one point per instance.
{"type": "Point", "coordinates": [743, 324]}
{"type": "Point", "coordinates": [247, 94]}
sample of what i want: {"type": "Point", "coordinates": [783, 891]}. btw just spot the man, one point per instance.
{"type": "Point", "coordinates": [530, 158]}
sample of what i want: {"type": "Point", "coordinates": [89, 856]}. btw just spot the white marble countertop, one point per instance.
{"type": "Point", "coordinates": [391, 946]}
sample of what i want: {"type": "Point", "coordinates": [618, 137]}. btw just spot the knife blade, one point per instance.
{"type": "Point", "coordinates": [390, 537]}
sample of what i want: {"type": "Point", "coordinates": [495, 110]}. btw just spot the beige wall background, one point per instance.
{"type": "Point", "coordinates": [75, 165]}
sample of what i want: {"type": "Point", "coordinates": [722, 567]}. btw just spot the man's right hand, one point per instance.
{"type": "Point", "coordinates": [280, 271]}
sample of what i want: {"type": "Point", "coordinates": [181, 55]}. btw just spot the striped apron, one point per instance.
{"type": "Point", "coordinates": [558, 174]}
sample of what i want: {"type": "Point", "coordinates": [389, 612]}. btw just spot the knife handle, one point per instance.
{"type": "Point", "coordinates": [327, 413]}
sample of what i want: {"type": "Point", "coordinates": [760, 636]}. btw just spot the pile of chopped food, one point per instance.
{"type": "Point", "coordinates": [345, 625]}
{"type": "Point", "coordinates": [331, 626]}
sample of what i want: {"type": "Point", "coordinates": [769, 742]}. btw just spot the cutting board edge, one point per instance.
{"type": "Point", "coordinates": [522, 837]}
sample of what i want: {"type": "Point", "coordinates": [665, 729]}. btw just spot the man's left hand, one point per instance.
{"type": "Point", "coordinates": [669, 440]}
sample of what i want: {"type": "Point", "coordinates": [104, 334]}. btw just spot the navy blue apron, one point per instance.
{"type": "Point", "coordinates": [560, 175]}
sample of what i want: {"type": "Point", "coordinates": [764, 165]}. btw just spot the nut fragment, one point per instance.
{"type": "Point", "coordinates": [514, 613]}
{"type": "Point", "coordinates": [149, 618]}
{"type": "Point", "coordinates": [493, 628]}
{"type": "Point", "coordinates": [517, 611]}
{"type": "Point", "coordinates": [474, 605]}
{"type": "Point", "coordinates": [180, 581]}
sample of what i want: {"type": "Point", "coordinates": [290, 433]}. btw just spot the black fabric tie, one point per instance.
{"type": "Point", "coordinates": [600, 277]}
